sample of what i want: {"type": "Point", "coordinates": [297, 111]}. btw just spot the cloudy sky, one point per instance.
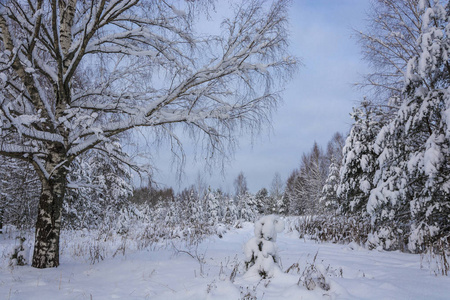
{"type": "Point", "coordinates": [316, 103]}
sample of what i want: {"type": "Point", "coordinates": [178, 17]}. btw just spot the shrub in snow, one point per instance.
{"type": "Point", "coordinates": [382, 238]}
{"type": "Point", "coordinates": [20, 254]}
{"type": "Point", "coordinates": [221, 229]}
{"type": "Point", "coordinates": [248, 293]}
{"type": "Point", "coordinates": [261, 251]}
{"type": "Point", "coordinates": [437, 259]}
{"type": "Point", "coordinates": [336, 229]}
{"type": "Point", "coordinates": [317, 275]}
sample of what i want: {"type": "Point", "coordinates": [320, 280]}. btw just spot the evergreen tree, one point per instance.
{"type": "Point", "coordinates": [194, 209]}
{"type": "Point", "coordinates": [413, 187]}
{"type": "Point", "coordinates": [329, 197]}
{"type": "Point", "coordinates": [97, 185]}
{"type": "Point", "coordinates": [248, 209]}
{"type": "Point", "coordinates": [212, 207]}
{"type": "Point", "coordinates": [231, 211]}
{"type": "Point", "coordinates": [261, 199]}
{"type": "Point", "coordinates": [284, 205]}
{"type": "Point", "coordinates": [334, 150]}
{"type": "Point", "coordinates": [359, 160]}
{"type": "Point", "coordinates": [261, 252]}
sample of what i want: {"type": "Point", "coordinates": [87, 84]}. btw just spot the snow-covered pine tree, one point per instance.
{"type": "Point", "coordinates": [284, 205]}
{"type": "Point", "coordinates": [359, 160]}
{"type": "Point", "coordinates": [231, 211]}
{"type": "Point", "coordinates": [221, 204]}
{"type": "Point", "coordinates": [212, 207]}
{"type": "Point", "coordinates": [195, 209]}
{"type": "Point", "coordinates": [248, 209]}
{"type": "Point", "coordinates": [334, 149]}
{"type": "Point", "coordinates": [261, 200]}
{"type": "Point", "coordinates": [329, 197]}
{"type": "Point", "coordinates": [413, 184]}
{"type": "Point", "coordinates": [272, 205]}
{"type": "Point", "coordinates": [98, 185]}
{"type": "Point", "coordinates": [279, 205]}
{"type": "Point", "coordinates": [261, 252]}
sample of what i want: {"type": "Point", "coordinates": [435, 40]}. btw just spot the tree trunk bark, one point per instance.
{"type": "Point", "coordinates": [48, 224]}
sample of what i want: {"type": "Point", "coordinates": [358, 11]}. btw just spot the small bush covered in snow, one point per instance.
{"type": "Point", "coordinates": [261, 251]}
{"type": "Point", "coordinates": [20, 254]}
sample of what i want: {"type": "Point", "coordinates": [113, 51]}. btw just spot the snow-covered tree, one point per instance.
{"type": "Point", "coordinates": [413, 181]}
{"type": "Point", "coordinates": [247, 207]}
{"type": "Point", "coordinates": [304, 187]}
{"type": "Point", "coordinates": [246, 203]}
{"type": "Point", "coordinates": [276, 188]}
{"type": "Point", "coordinates": [359, 160]}
{"type": "Point", "coordinates": [19, 193]}
{"type": "Point", "coordinates": [309, 181]}
{"type": "Point", "coordinates": [261, 199]}
{"type": "Point", "coordinates": [332, 158]}
{"type": "Point", "coordinates": [240, 184]}
{"type": "Point", "coordinates": [329, 197]}
{"type": "Point", "coordinates": [231, 211]}
{"type": "Point", "coordinates": [194, 207]}
{"type": "Point", "coordinates": [388, 43]}
{"type": "Point", "coordinates": [75, 74]}
{"type": "Point", "coordinates": [212, 207]}
{"type": "Point", "coordinates": [284, 205]}
{"type": "Point", "coordinates": [276, 194]}
{"type": "Point", "coordinates": [97, 186]}
{"type": "Point", "coordinates": [289, 192]}
{"type": "Point", "coordinates": [334, 150]}
{"type": "Point", "coordinates": [261, 252]}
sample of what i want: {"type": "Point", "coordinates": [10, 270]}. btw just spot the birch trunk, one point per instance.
{"type": "Point", "coordinates": [48, 224]}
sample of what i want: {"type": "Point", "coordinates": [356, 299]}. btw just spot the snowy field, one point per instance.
{"type": "Point", "coordinates": [204, 272]}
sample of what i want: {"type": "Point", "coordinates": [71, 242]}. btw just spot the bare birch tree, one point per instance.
{"type": "Point", "coordinates": [388, 43]}
{"type": "Point", "coordinates": [240, 185]}
{"type": "Point", "coordinates": [76, 74]}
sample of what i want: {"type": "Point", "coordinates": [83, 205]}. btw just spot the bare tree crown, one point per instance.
{"type": "Point", "coordinates": [74, 74]}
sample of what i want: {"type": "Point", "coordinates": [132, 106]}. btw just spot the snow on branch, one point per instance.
{"type": "Point", "coordinates": [15, 150]}
{"type": "Point", "coordinates": [78, 73]}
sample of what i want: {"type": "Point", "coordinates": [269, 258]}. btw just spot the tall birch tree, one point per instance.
{"type": "Point", "coordinates": [76, 74]}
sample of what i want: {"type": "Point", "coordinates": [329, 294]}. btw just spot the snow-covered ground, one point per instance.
{"type": "Point", "coordinates": [203, 272]}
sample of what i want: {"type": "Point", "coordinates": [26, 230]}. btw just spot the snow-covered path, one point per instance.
{"type": "Point", "coordinates": [164, 274]}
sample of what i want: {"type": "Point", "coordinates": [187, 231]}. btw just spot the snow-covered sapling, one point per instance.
{"type": "Point", "coordinates": [19, 256]}
{"type": "Point", "coordinates": [261, 255]}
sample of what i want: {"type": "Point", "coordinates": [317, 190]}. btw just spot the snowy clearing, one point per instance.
{"type": "Point", "coordinates": [204, 272]}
